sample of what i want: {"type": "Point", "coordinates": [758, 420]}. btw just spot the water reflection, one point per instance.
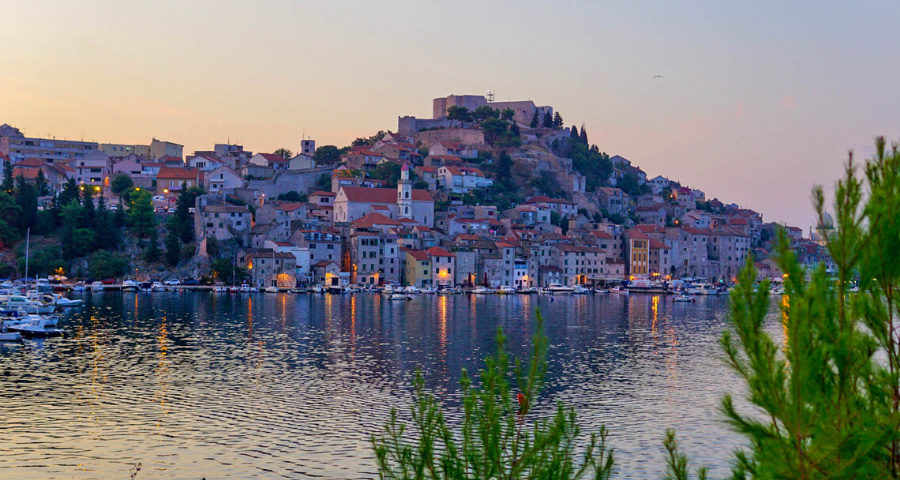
{"type": "Point", "coordinates": [259, 386]}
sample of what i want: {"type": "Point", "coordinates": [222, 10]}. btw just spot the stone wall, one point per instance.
{"type": "Point", "coordinates": [301, 181]}
{"type": "Point", "coordinates": [466, 136]}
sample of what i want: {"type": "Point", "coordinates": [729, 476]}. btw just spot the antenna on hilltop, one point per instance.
{"type": "Point", "coordinates": [490, 96]}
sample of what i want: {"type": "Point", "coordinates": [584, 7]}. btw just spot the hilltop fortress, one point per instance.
{"type": "Point", "coordinates": [524, 109]}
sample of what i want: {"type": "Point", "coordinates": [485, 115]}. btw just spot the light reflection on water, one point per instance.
{"type": "Point", "coordinates": [265, 386]}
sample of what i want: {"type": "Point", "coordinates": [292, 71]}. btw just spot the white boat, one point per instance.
{"type": "Point", "coordinates": [412, 289]}
{"type": "Point", "coordinates": [388, 289]}
{"type": "Point", "coordinates": [429, 290]}
{"type": "Point", "coordinates": [6, 335]}
{"type": "Point", "coordinates": [505, 290]}
{"type": "Point", "coordinates": [480, 290]}
{"type": "Point", "coordinates": [245, 288]}
{"type": "Point", "coordinates": [399, 296]}
{"type": "Point", "coordinates": [558, 289]}
{"type": "Point", "coordinates": [579, 290]}
{"type": "Point", "coordinates": [97, 287]}
{"type": "Point", "coordinates": [25, 304]}
{"type": "Point", "coordinates": [220, 288]}
{"type": "Point", "coordinates": [601, 290]}
{"type": "Point", "coordinates": [130, 285]}
{"type": "Point", "coordinates": [35, 326]}
{"type": "Point", "coordinates": [79, 287]}
{"type": "Point", "coordinates": [65, 302]}
{"type": "Point", "coordinates": [703, 289]}
{"type": "Point", "coordinates": [527, 290]}
{"type": "Point", "coordinates": [683, 298]}
{"type": "Point", "coordinates": [43, 285]}
{"type": "Point", "coordinates": [619, 290]}
{"type": "Point", "coordinates": [317, 289]}
{"type": "Point", "coordinates": [271, 289]}
{"type": "Point", "coordinates": [157, 287]}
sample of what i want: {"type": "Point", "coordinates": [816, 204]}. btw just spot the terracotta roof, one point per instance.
{"type": "Point", "coordinates": [439, 252]}
{"type": "Point", "coordinates": [503, 245]}
{"type": "Point", "coordinates": [272, 158]}
{"type": "Point", "coordinates": [382, 195]}
{"type": "Point", "coordinates": [30, 162]}
{"type": "Point", "coordinates": [289, 207]}
{"type": "Point", "coordinates": [178, 173]}
{"type": "Point", "coordinates": [599, 234]}
{"type": "Point", "coordinates": [322, 193]}
{"type": "Point", "coordinates": [373, 219]}
{"type": "Point", "coordinates": [695, 231]}
{"type": "Point", "coordinates": [29, 173]}
{"type": "Point", "coordinates": [467, 237]}
{"type": "Point", "coordinates": [656, 244]}
{"type": "Point", "coordinates": [418, 254]}
{"type": "Point", "coordinates": [324, 263]}
{"type": "Point", "coordinates": [426, 169]}
{"type": "Point", "coordinates": [545, 199]}
{"type": "Point", "coordinates": [648, 228]}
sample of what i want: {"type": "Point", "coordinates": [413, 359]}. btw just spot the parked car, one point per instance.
{"type": "Point", "coordinates": [159, 198]}
{"type": "Point", "coordinates": [172, 281]}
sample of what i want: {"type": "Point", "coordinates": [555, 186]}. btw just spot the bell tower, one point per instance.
{"type": "Point", "coordinates": [404, 193]}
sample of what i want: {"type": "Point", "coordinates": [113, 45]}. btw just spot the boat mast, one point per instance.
{"type": "Point", "coordinates": [27, 244]}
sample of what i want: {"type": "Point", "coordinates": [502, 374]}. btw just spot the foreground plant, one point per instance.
{"type": "Point", "coordinates": [826, 399]}
{"type": "Point", "coordinates": [498, 437]}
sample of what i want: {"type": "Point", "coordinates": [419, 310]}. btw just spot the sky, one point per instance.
{"type": "Point", "coordinates": [759, 101]}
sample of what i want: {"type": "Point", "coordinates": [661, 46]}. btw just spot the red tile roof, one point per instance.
{"type": "Point", "coordinates": [382, 195]}
{"type": "Point", "coordinates": [272, 158]}
{"type": "Point", "coordinates": [418, 255]}
{"type": "Point", "coordinates": [322, 193]}
{"type": "Point", "coordinates": [544, 199]}
{"type": "Point", "coordinates": [373, 219]}
{"type": "Point", "coordinates": [178, 173]}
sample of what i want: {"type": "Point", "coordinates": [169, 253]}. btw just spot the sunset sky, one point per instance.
{"type": "Point", "coordinates": [759, 100]}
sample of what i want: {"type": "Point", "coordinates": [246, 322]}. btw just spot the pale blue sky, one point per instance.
{"type": "Point", "coordinates": [760, 101]}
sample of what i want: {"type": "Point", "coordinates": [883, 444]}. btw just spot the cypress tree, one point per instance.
{"type": "Point", "coordinates": [8, 184]}
{"type": "Point", "coordinates": [534, 119]}
{"type": "Point", "coordinates": [584, 137]}
{"type": "Point", "coordinates": [548, 120]}
{"type": "Point", "coordinates": [573, 135]}
{"type": "Point", "coordinates": [41, 183]}
{"type": "Point", "coordinates": [557, 120]}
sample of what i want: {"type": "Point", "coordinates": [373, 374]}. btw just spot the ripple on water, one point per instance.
{"type": "Point", "coordinates": [264, 386]}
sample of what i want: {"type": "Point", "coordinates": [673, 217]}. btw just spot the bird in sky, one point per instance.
{"type": "Point", "coordinates": [659, 76]}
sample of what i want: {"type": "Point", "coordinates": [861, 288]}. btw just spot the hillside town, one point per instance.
{"type": "Point", "coordinates": [483, 193]}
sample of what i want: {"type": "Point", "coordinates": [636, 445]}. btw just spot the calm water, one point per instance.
{"type": "Point", "coordinates": [281, 386]}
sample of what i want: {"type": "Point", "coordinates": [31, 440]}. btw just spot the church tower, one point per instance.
{"type": "Point", "coordinates": [404, 193]}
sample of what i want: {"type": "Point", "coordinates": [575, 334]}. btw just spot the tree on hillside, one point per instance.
{"type": "Point", "coordinates": [389, 172]}
{"type": "Point", "coordinates": [507, 114]}
{"type": "Point", "coordinates": [327, 155]}
{"type": "Point", "coordinates": [534, 119]}
{"type": "Point", "coordinates": [557, 121]}
{"type": "Point", "coordinates": [493, 128]}
{"type": "Point", "coordinates": [284, 153]}
{"type": "Point", "coordinates": [584, 137]}
{"type": "Point", "coordinates": [359, 142]}
{"type": "Point", "coordinates": [27, 200]}
{"type": "Point", "coordinates": [120, 183]}
{"type": "Point", "coordinates": [8, 181]}
{"type": "Point", "coordinates": [459, 114]}
{"type": "Point", "coordinates": [548, 120]}
{"type": "Point", "coordinates": [140, 214]}
{"type": "Point", "coordinates": [573, 135]}
{"type": "Point", "coordinates": [485, 112]}
{"type": "Point", "coordinates": [41, 183]}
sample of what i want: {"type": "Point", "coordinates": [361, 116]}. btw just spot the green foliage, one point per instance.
{"type": "Point", "coordinates": [507, 114]}
{"type": "Point", "coordinates": [534, 119]}
{"type": "Point", "coordinates": [8, 183]}
{"type": "Point", "coordinates": [151, 250]}
{"type": "Point", "coordinates": [173, 248]}
{"type": "Point", "coordinates": [107, 265]}
{"type": "Point", "coordinates": [27, 200]}
{"type": "Point", "coordinates": [545, 184]}
{"type": "Point", "coordinates": [212, 246]}
{"type": "Point", "coordinates": [324, 182]}
{"type": "Point", "coordinates": [120, 183]}
{"type": "Point", "coordinates": [328, 155]}
{"type": "Point", "coordinates": [359, 142]}
{"type": "Point", "coordinates": [292, 196]}
{"type": "Point", "coordinates": [42, 262]}
{"type": "Point", "coordinates": [557, 121]}
{"type": "Point", "coordinates": [498, 437]}
{"type": "Point", "coordinates": [548, 120]}
{"type": "Point", "coordinates": [40, 183]}
{"type": "Point", "coordinates": [590, 162]}
{"type": "Point", "coordinates": [222, 269]}
{"type": "Point", "coordinates": [284, 153]}
{"type": "Point", "coordinates": [493, 128]}
{"type": "Point", "coordinates": [630, 184]}
{"type": "Point", "coordinates": [459, 114]}
{"type": "Point", "coordinates": [829, 396]}
{"type": "Point", "coordinates": [420, 185]}
{"type": "Point", "coordinates": [140, 214]}
{"type": "Point", "coordinates": [389, 172]}
{"type": "Point", "coordinates": [485, 112]}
